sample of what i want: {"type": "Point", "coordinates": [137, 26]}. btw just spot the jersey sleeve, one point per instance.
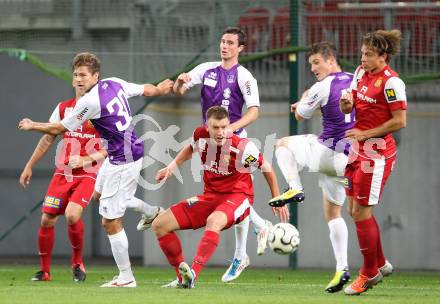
{"type": "Point", "coordinates": [251, 156]}
{"type": "Point", "coordinates": [130, 89]}
{"type": "Point", "coordinates": [197, 73]}
{"type": "Point", "coordinates": [317, 96]}
{"type": "Point", "coordinates": [395, 95]}
{"type": "Point", "coordinates": [55, 117]}
{"type": "Point", "coordinates": [87, 107]}
{"type": "Point", "coordinates": [248, 87]}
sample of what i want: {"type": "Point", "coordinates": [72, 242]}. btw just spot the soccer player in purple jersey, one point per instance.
{"type": "Point", "coordinates": [326, 153]}
{"type": "Point", "coordinates": [228, 84]}
{"type": "Point", "coordinates": [105, 105]}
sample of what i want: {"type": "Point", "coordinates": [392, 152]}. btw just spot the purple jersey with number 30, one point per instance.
{"type": "Point", "coordinates": [106, 105]}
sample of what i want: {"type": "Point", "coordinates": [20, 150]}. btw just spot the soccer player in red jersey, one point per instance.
{"type": "Point", "coordinates": [227, 197]}
{"type": "Point", "coordinates": [379, 98]}
{"type": "Point", "coordinates": [79, 156]}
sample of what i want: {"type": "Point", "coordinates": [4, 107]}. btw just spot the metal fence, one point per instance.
{"type": "Point", "coordinates": [146, 40]}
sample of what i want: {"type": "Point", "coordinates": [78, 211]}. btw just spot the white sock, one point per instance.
{"type": "Point", "coordinates": [241, 232]}
{"type": "Point", "coordinates": [289, 167]}
{"type": "Point", "coordinates": [257, 221]}
{"type": "Point", "coordinates": [119, 245]}
{"type": "Point", "coordinates": [339, 239]}
{"type": "Point", "coordinates": [141, 206]}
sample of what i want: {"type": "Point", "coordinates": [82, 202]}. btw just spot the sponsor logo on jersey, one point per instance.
{"type": "Point", "coordinates": [378, 82]}
{"type": "Point", "coordinates": [210, 82]}
{"type": "Point", "coordinates": [192, 200]}
{"type": "Point", "coordinates": [80, 116]}
{"type": "Point", "coordinates": [247, 85]}
{"type": "Point", "coordinates": [250, 160]}
{"type": "Point", "coordinates": [391, 94]}
{"type": "Point", "coordinates": [231, 78]}
{"type": "Point", "coordinates": [365, 98]}
{"type": "Point", "coordinates": [52, 202]}
{"type": "Point", "coordinates": [214, 170]}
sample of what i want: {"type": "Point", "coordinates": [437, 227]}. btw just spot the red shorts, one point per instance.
{"type": "Point", "coordinates": [193, 212]}
{"type": "Point", "coordinates": [61, 191]}
{"type": "Point", "coordinates": [367, 177]}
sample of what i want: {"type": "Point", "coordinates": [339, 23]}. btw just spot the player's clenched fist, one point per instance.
{"type": "Point", "coordinates": [25, 124]}
{"type": "Point", "coordinates": [163, 174]}
{"type": "Point", "coordinates": [346, 103]}
{"type": "Point", "coordinates": [184, 77]}
{"type": "Point", "coordinates": [165, 86]}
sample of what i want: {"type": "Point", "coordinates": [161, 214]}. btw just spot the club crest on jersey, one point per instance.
{"type": "Point", "coordinates": [391, 94]}
{"type": "Point", "coordinates": [231, 78]}
{"type": "Point", "coordinates": [378, 82]}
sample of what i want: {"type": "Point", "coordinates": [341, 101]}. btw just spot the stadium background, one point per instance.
{"type": "Point", "coordinates": [145, 41]}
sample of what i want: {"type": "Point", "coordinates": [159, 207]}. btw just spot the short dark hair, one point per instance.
{"type": "Point", "coordinates": [383, 42]}
{"type": "Point", "coordinates": [242, 38]}
{"type": "Point", "coordinates": [217, 112]}
{"type": "Point", "coordinates": [87, 59]}
{"type": "Point", "coordinates": [325, 48]}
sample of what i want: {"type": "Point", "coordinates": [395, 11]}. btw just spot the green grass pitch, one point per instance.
{"type": "Point", "coordinates": [269, 286]}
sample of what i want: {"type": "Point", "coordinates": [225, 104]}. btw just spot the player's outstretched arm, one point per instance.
{"type": "Point", "coordinates": [42, 147]}
{"type": "Point", "coordinates": [179, 89]}
{"type": "Point", "coordinates": [182, 156]}
{"type": "Point", "coordinates": [249, 117]}
{"type": "Point", "coordinates": [161, 89]}
{"type": "Point", "coordinates": [51, 128]}
{"type": "Point", "coordinates": [271, 179]}
{"type": "Point", "coordinates": [77, 161]}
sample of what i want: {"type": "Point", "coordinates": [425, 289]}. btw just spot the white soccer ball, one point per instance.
{"type": "Point", "coordinates": [283, 238]}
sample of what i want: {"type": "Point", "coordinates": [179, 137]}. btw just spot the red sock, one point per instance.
{"type": "Point", "coordinates": [171, 247]}
{"type": "Point", "coordinates": [380, 256]}
{"type": "Point", "coordinates": [76, 236]}
{"type": "Point", "coordinates": [46, 236]}
{"type": "Point", "coordinates": [205, 250]}
{"type": "Point", "coordinates": [368, 238]}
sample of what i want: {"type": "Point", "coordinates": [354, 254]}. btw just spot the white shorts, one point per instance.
{"type": "Point", "coordinates": [116, 184]}
{"type": "Point", "coordinates": [313, 156]}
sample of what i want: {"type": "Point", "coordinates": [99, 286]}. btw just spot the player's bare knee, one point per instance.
{"type": "Point", "coordinates": [96, 196]}
{"type": "Point", "coordinates": [159, 226]}
{"type": "Point", "coordinates": [72, 218]}
{"type": "Point", "coordinates": [215, 223]}
{"type": "Point", "coordinates": [48, 220]}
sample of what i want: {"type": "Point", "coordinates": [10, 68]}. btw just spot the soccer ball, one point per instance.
{"type": "Point", "coordinates": [283, 238]}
